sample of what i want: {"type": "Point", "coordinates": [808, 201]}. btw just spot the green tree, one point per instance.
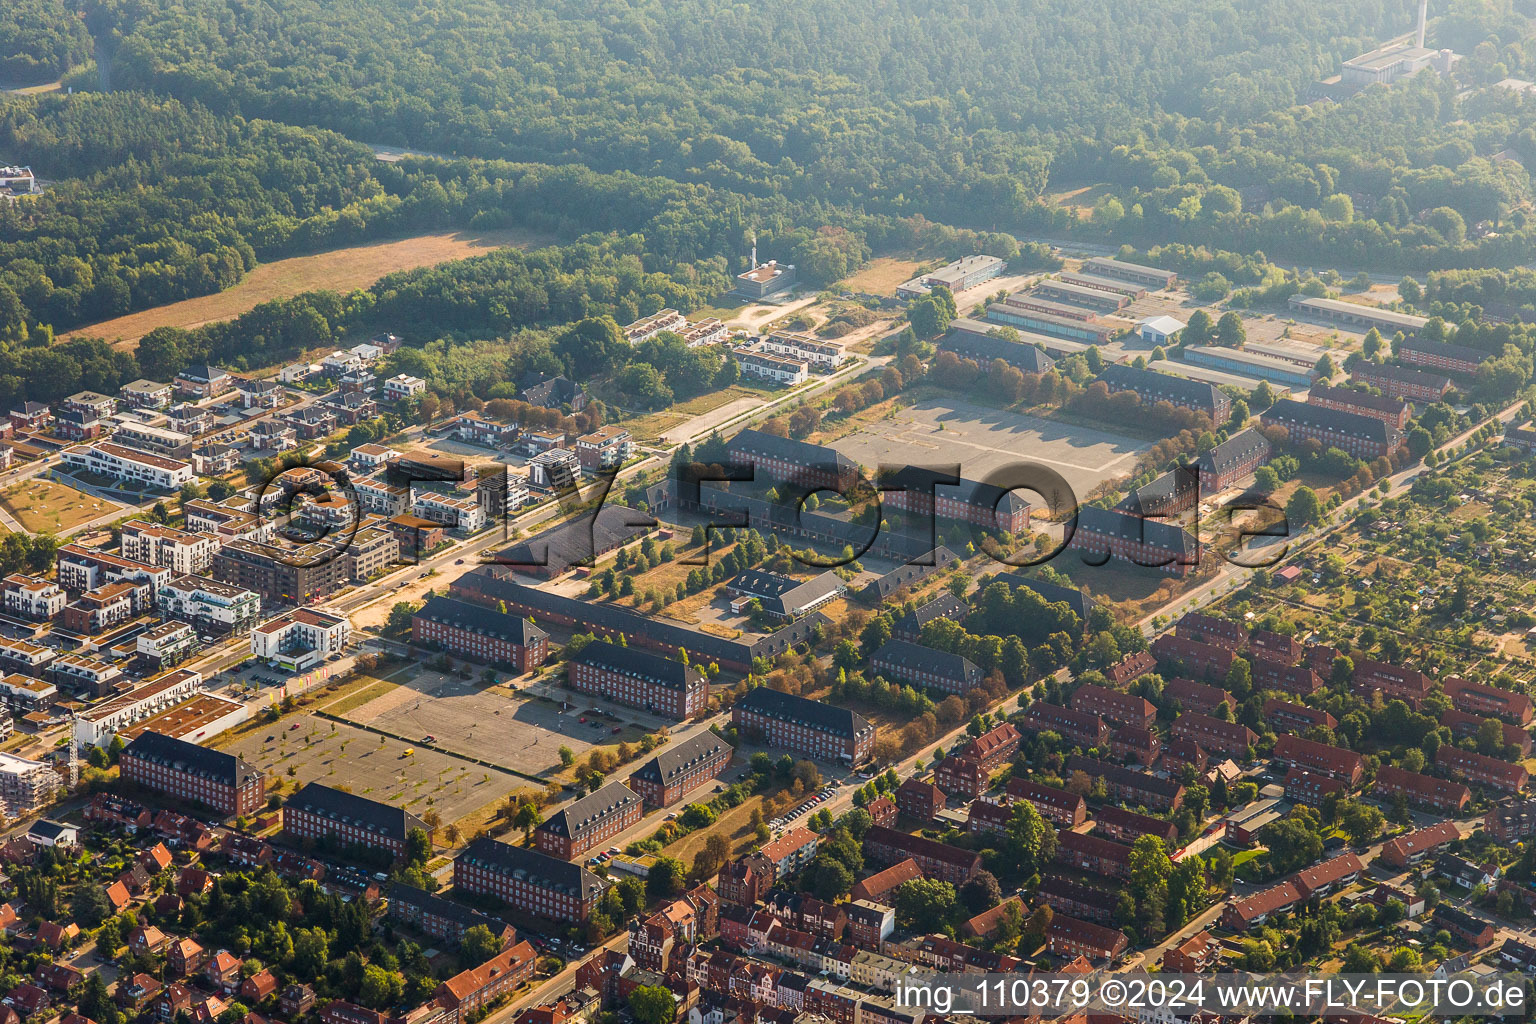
{"type": "Point", "coordinates": [925, 904]}
{"type": "Point", "coordinates": [1230, 332]}
{"type": "Point", "coordinates": [652, 1004]}
{"type": "Point", "coordinates": [477, 945]}
{"type": "Point", "coordinates": [1304, 508]}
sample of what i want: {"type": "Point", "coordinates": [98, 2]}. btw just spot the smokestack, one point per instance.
{"type": "Point", "coordinates": [1423, 20]}
{"type": "Point", "coordinates": [754, 248]}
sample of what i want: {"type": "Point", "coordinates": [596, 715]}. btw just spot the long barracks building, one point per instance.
{"type": "Point", "coordinates": [679, 768]}
{"type": "Point", "coordinates": [181, 769]}
{"type": "Point", "coordinates": [1103, 532]}
{"type": "Point", "coordinates": [778, 459]}
{"type": "Point", "coordinates": [1364, 437]}
{"type": "Point", "coordinates": [990, 506]}
{"type": "Point", "coordinates": [480, 633]}
{"type": "Point", "coordinates": [488, 587]}
{"type": "Point", "coordinates": [584, 823]}
{"type": "Point", "coordinates": [804, 726]}
{"type": "Point", "coordinates": [320, 812]}
{"type": "Point", "coordinates": [533, 882]}
{"type": "Point", "coordinates": [1153, 387]}
{"type": "Point", "coordinates": [638, 679]}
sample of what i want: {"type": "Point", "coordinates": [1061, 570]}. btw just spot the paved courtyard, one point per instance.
{"type": "Point", "coordinates": [981, 439]}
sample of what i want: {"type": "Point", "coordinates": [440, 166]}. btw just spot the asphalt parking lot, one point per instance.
{"type": "Point", "coordinates": [979, 439]}
{"type": "Point", "coordinates": [336, 754]}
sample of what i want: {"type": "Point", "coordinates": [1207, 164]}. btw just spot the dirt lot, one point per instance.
{"type": "Point", "coordinates": [340, 270]}
{"type": "Point", "coordinates": [336, 754]}
{"type": "Point", "coordinates": [44, 506]}
{"type": "Point", "coordinates": [945, 431]}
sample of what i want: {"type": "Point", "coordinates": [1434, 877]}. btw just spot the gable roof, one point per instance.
{"type": "Point", "coordinates": [579, 814]}
{"type": "Point", "coordinates": [680, 757]}
{"type": "Point", "coordinates": [478, 618]}
{"type": "Point", "coordinates": [386, 820]}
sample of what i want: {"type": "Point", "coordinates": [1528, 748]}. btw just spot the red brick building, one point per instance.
{"type": "Point", "coordinates": [1282, 714]}
{"type": "Point", "coordinates": [1209, 629]}
{"type": "Point", "coordinates": [1481, 699]}
{"type": "Point", "coordinates": [1421, 790]}
{"type": "Point", "coordinates": [639, 679]}
{"type": "Point", "coordinates": [530, 881]}
{"type": "Point", "coordinates": [1232, 738]}
{"type": "Point", "coordinates": [1298, 680]}
{"type": "Point", "coordinates": [588, 822]}
{"type": "Point", "coordinates": [1133, 743]}
{"type": "Point", "coordinates": [1193, 696]}
{"type": "Point", "coordinates": [1055, 805]}
{"type": "Point", "coordinates": [804, 726]}
{"type": "Point", "coordinates": [679, 768]}
{"type": "Point", "coordinates": [1069, 937]}
{"type": "Point", "coordinates": [1312, 788]}
{"type": "Point", "coordinates": [1345, 764]}
{"type": "Point", "coordinates": [945, 863]}
{"type": "Point", "coordinates": [1391, 411]}
{"type": "Point", "coordinates": [480, 634]}
{"type": "Point", "coordinates": [1081, 727]}
{"type": "Point", "coordinates": [1093, 854]}
{"type": "Point", "coordinates": [1463, 724]}
{"type": "Point", "coordinates": [1413, 847]}
{"type": "Point", "coordinates": [1392, 681]}
{"type": "Point", "coordinates": [1481, 769]}
{"type": "Point", "coordinates": [1122, 826]}
{"type": "Point", "coordinates": [1402, 382]}
{"type": "Point", "coordinates": [1364, 437]}
{"type": "Point", "coordinates": [920, 800]}
{"type": "Point", "coordinates": [322, 813]}
{"type": "Point", "coordinates": [181, 769]}
{"type": "Point", "coordinates": [1120, 708]}
{"type": "Point", "coordinates": [476, 988]}
{"type": "Point", "coordinates": [1192, 656]}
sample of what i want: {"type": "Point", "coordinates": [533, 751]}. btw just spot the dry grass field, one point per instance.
{"type": "Point", "coordinates": [340, 270]}
{"type": "Point", "coordinates": [43, 506]}
{"type": "Point", "coordinates": [881, 275]}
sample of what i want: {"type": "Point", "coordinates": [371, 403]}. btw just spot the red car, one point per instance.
{"type": "Point", "coordinates": [618, 729]}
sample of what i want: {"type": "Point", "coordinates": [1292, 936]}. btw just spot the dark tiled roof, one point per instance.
{"type": "Point", "coordinates": [920, 568]}
{"type": "Point", "coordinates": [1400, 374]}
{"type": "Point", "coordinates": [785, 595]}
{"type": "Point", "coordinates": [1287, 411]}
{"type": "Point", "coordinates": [215, 765]}
{"type": "Point", "coordinates": [971, 492]}
{"type": "Point", "coordinates": [917, 658]}
{"type": "Point", "coordinates": [1362, 399]}
{"type": "Point", "coordinates": [749, 443]}
{"type": "Point", "coordinates": [579, 814]}
{"type": "Point", "coordinates": [1444, 351]}
{"type": "Point", "coordinates": [972, 340]}
{"type": "Point", "coordinates": [349, 809]}
{"type": "Point", "coordinates": [1233, 451]}
{"type": "Point", "coordinates": [1153, 386]}
{"type": "Point", "coordinates": [538, 869]}
{"type": "Point", "coordinates": [578, 541]}
{"type": "Point", "coordinates": [825, 717]}
{"type": "Point", "coordinates": [631, 661]}
{"type": "Point", "coordinates": [1105, 522]}
{"type": "Point", "coordinates": [480, 619]}
{"type": "Point", "coordinates": [626, 620]}
{"type": "Point", "coordinates": [678, 757]}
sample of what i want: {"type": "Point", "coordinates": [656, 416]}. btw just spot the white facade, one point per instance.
{"type": "Point", "coordinates": [555, 468]}
{"type": "Point", "coordinates": [403, 385]}
{"type": "Point", "coordinates": [387, 499]}
{"type": "Point", "coordinates": [301, 638]}
{"type": "Point", "coordinates": [210, 604]}
{"type": "Point", "coordinates": [774, 368]}
{"type": "Point", "coordinates": [818, 354]}
{"type": "Point", "coordinates": [455, 513]}
{"type": "Point", "coordinates": [32, 597]}
{"type": "Point", "coordinates": [186, 552]}
{"type": "Point", "coordinates": [125, 464]}
{"type": "Point", "coordinates": [97, 726]}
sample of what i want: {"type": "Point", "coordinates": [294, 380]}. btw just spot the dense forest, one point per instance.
{"type": "Point", "coordinates": [39, 41]}
{"type": "Point", "coordinates": [653, 141]}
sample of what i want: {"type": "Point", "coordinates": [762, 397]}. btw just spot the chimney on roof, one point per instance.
{"type": "Point", "coordinates": [1423, 20]}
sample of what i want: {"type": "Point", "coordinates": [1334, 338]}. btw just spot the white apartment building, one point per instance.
{"type": "Point", "coordinates": [26, 785]}
{"type": "Point", "coordinates": [32, 597]}
{"type": "Point", "coordinates": [212, 607]}
{"type": "Point", "coordinates": [120, 463]}
{"type": "Point", "coordinates": [770, 367]}
{"type": "Point", "coordinates": [709, 331]}
{"type": "Point", "coordinates": [403, 385]}
{"type": "Point", "coordinates": [455, 513]}
{"type": "Point", "coordinates": [301, 638]}
{"type": "Point", "coordinates": [819, 355]}
{"type": "Point", "coordinates": [96, 726]}
{"type": "Point", "coordinates": [374, 494]}
{"type": "Point", "coordinates": [648, 327]}
{"type": "Point", "coordinates": [24, 694]}
{"type": "Point", "coordinates": [555, 469]}
{"type": "Point", "coordinates": [185, 552]}
{"type": "Point", "coordinates": [372, 456]}
{"type": "Point", "coordinates": [167, 643]}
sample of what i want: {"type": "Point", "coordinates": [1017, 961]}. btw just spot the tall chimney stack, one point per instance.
{"type": "Point", "coordinates": [754, 238]}
{"type": "Point", "coordinates": [1423, 20]}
